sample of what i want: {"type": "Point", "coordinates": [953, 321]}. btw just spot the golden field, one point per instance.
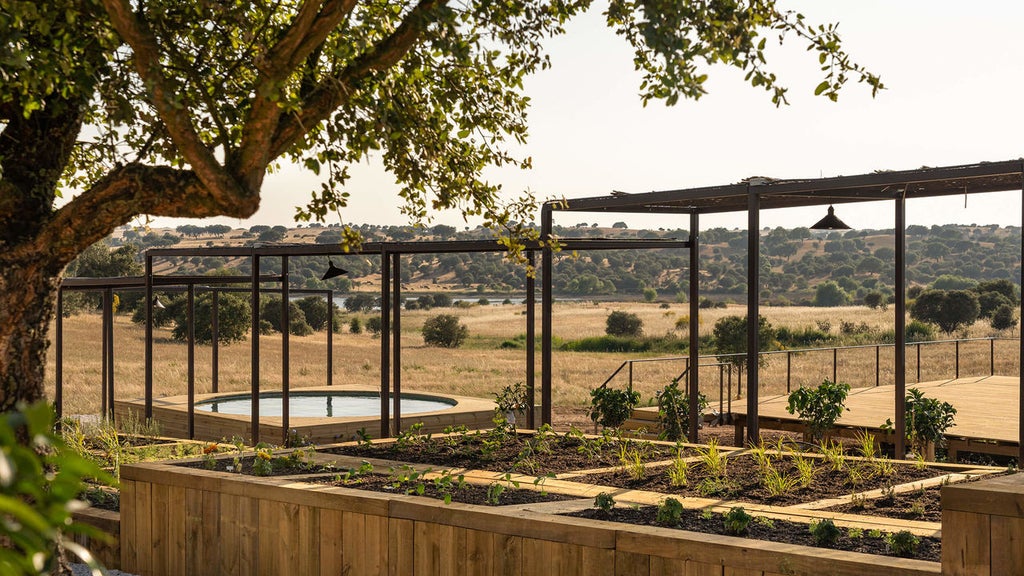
{"type": "Point", "coordinates": [481, 366]}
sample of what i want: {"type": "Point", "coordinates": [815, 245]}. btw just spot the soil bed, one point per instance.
{"type": "Point", "coordinates": [438, 489]}
{"type": "Point", "coordinates": [744, 482]}
{"type": "Point", "coordinates": [547, 453]}
{"type": "Point", "coordinates": [776, 531]}
{"type": "Point", "coordinates": [924, 505]}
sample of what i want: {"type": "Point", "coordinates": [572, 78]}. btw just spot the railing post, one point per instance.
{"type": "Point", "coordinates": [878, 367]}
{"type": "Point", "coordinates": [991, 356]}
{"type": "Point", "coordinates": [729, 368]}
{"type": "Point", "coordinates": [918, 361]}
{"type": "Point", "coordinates": [835, 365]}
{"type": "Point", "coordinates": [721, 390]}
{"type": "Point", "coordinates": [630, 374]}
{"type": "Point", "coordinates": [957, 348]}
{"type": "Point", "coordinates": [789, 371]}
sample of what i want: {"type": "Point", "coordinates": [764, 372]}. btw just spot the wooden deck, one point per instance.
{"type": "Point", "coordinates": [986, 419]}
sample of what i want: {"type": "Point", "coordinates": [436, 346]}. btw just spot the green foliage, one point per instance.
{"type": "Point", "coordinates": [511, 399]}
{"type": "Point", "coordinates": [316, 312]}
{"type": "Point", "coordinates": [271, 312]}
{"type": "Point", "coordinates": [736, 521]}
{"type": "Point", "coordinates": [950, 310]}
{"type": "Point", "coordinates": [624, 344]}
{"type": "Point", "coordinates": [830, 294]}
{"type": "Point", "coordinates": [927, 419]}
{"type": "Point", "coordinates": [650, 294]}
{"type": "Point", "coordinates": [604, 502]}
{"type": "Point", "coordinates": [355, 325]}
{"type": "Point", "coordinates": [820, 407]}
{"type": "Point", "coordinates": [669, 513]}
{"type": "Point", "coordinates": [444, 330]}
{"type": "Point", "coordinates": [40, 482]}
{"type": "Point", "coordinates": [875, 300]}
{"type": "Point", "coordinates": [624, 324]}
{"type": "Point", "coordinates": [233, 318]}
{"type": "Point", "coordinates": [825, 532]}
{"type": "Point", "coordinates": [730, 338]}
{"type": "Point", "coordinates": [611, 407]}
{"type": "Point", "coordinates": [1004, 318]}
{"type": "Point", "coordinates": [918, 331]}
{"type": "Point", "coordinates": [374, 325]}
{"type": "Point", "coordinates": [674, 411]}
{"type": "Point", "coordinates": [903, 543]}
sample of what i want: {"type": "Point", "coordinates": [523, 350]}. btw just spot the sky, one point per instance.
{"type": "Point", "coordinates": [954, 83]}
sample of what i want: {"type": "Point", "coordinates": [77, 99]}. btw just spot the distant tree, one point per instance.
{"type": "Point", "coordinates": [625, 324]}
{"type": "Point", "coordinates": [444, 330]}
{"type": "Point", "coordinates": [234, 318]}
{"type": "Point", "coordinates": [441, 300]}
{"type": "Point", "coordinates": [953, 282]}
{"type": "Point", "coordinates": [990, 301]}
{"type": "Point", "coordinates": [870, 265]}
{"type": "Point", "coordinates": [619, 225]}
{"type": "Point", "coordinates": [730, 338]}
{"type": "Point", "coordinates": [374, 325]}
{"type": "Point", "coordinates": [258, 229]}
{"type": "Point", "coordinates": [270, 312]}
{"type": "Point", "coordinates": [271, 235]}
{"type": "Point", "coordinates": [361, 302]}
{"type": "Point", "coordinates": [1003, 318]}
{"type": "Point", "coordinates": [355, 325]}
{"type": "Point", "coordinates": [949, 310]}
{"type": "Point", "coordinates": [875, 300]}
{"type": "Point", "coordinates": [830, 294]}
{"type": "Point", "coordinates": [316, 311]}
{"type": "Point", "coordinates": [1001, 286]}
{"type": "Point", "coordinates": [650, 294]}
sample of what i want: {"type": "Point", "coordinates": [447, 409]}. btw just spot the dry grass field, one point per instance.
{"type": "Point", "coordinates": [481, 366]}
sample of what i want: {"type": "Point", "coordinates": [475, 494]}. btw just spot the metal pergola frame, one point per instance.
{"type": "Point", "coordinates": [390, 254]}
{"type": "Point", "coordinates": [757, 194]}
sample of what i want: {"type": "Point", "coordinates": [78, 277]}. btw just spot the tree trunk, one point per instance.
{"type": "Point", "coordinates": [28, 293]}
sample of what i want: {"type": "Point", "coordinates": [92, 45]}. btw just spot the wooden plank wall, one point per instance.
{"type": "Point", "coordinates": [983, 527]}
{"type": "Point", "coordinates": [178, 521]}
{"type": "Point", "coordinates": [107, 548]}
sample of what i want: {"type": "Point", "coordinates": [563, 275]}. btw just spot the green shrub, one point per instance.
{"type": "Point", "coordinates": [374, 325]}
{"type": "Point", "coordinates": [670, 512]}
{"type": "Point", "coordinates": [902, 543]}
{"type": "Point", "coordinates": [820, 407]}
{"type": "Point", "coordinates": [674, 411]}
{"type": "Point", "coordinates": [604, 502]}
{"type": "Point", "coordinates": [611, 407]}
{"type": "Point", "coordinates": [736, 521]}
{"type": "Point", "coordinates": [825, 533]}
{"type": "Point", "coordinates": [444, 330]}
{"type": "Point", "coordinates": [927, 419]}
{"type": "Point", "coordinates": [355, 325]}
{"type": "Point", "coordinates": [918, 331]}
{"type": "Point", "coordinates": [621, 323]}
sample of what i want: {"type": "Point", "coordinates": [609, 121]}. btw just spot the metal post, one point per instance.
{"type": "Point", "coordinates": [385, 336]}
{"type": "Point", "coordinates": [190, 322]}
{"type": "Point", "coordinates": [630, 374]}
{"type": "Point", "coordinates": [992, 357]}
{"type": "Point", "coordinates": [900, 360]}
{"type": "Point", "coordinates": [918, 361]}
{"type": "Point", "coordinates": [215, 340]}
{"type": "Point", "coordinates": [58, 376]}
{"type": "Point", "coordinates": [396, 262]}
{"type": "Point", "coordinates": [531, 329]}
{"type": "Point", "coordinates": [330, 337]}
{"type": "Point", "coordinates": [753, 311]}
{"type": "Point", "coordinates": [878, 366]}
{"type": "Point", "coordinates": [545, 312]}
{"type": "Point", "coordinates": [104, 353]}
{"type": "Point", "coordinates": [255, 349]}
{"type": "Point", "coordinates": [789, 371]}
{"type": "Point", "coordinates": [693, 358]}
{"type": "Point", "coordinates": [286, 324]}
{"type": "Point", "coordinates": [149, 337]}
{"type": "Point", "coordinates": [835, 365]}
{"type": "Point", "coordinates": [1020, 357]}
{"type": "Point", "coordinates": [956, 347]}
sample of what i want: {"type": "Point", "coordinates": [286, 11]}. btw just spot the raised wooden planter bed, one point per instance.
{"type": "Point", "coordinates": [107, 550]}
{"type": "Point", "coordinates": [180, 520]}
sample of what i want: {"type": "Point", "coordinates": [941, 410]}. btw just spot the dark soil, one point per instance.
{"type": "Point", "coordinates": [274, 466]}
{"type": "Point", "coordinates": [922, 505]}
{"type": "Point", "coordinates": [551, 453]}
{"type": "Point", "coordinates": [743, 480]}
{"type": "Point", "coordinates": [102, 499]}
{"type": "Point", "coordinates": [448, 485]}
{"type": "Point", "coordinates": [777, 531]}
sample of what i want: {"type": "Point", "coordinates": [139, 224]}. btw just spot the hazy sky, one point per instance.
{"type": "Point", "coordinates": [954, 77]}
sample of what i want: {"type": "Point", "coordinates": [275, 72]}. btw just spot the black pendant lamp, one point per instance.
{"type": "Point", "coordinates": [333, 271]}
{"type": "Point", "coordinates": [830, 222]}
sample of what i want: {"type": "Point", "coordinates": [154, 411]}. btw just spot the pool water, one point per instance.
{"type": "Point", "coordinates": [321, 405]}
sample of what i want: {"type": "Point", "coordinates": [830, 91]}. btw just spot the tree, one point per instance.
{"type": "Point", "coordinates": [949, 310]}
{"type": "Point", "coordinates": [730, 339]}
{"type": "Point", "coordinates": [1003, 318]}
{"type": "Point", "coordinates": [270, 312]}
{"type": "Point", "coordinates": [623, 324]}
{"type": "Point", "coordinates": [234, 318]}
{"type": "Point", "coordinates": [316, 311]}
{"type": "Point", "coordinates": [177, 109]}
{"type": "Point", "coordinates": [830, 294]}
{"type": "Point", "coordinates": [875, 300]}
{"type": "Point", "coordinates": [444, 330]}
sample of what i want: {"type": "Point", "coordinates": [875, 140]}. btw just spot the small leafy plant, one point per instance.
{"type": "Point", "coordinates": [670, 512]}
{"type": "Point", "coordinates": [611, 407]}
{"type": "Point", "coordinates": [263, 462]}
{"type": "Point", "coordinates": [819, 407]}
{"type": "Point", "coordinates": [736, 521]}
{"type": "Point", "coordinates": [825, 532]}
{"type": "Point", "coordinates": [604, 502]}
{"type": "Point", "coordinates": [927, 420]}
{"type": "Point", "coordinates": [674, 411]}
{"type": "Point", "coordinates": [509, 400]}
{"type": "Point", "coordinates": [777, 483]}
{"type": "Point", "coordinates": [677, 470]}
{"type": "Point", "coordinates": [903, 543]}
{"type": "Point", "coordinates": [715, 463]}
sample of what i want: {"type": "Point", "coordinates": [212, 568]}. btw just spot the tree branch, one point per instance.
{"type": "Point", "coordinates": [334, 91]}
{"type": "Point", "coordinates": [175, 117]}
{"type": "Point", "coordinates": [123, 194]}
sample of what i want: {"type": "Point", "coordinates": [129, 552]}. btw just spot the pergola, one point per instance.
{"type": "Point", "coordinates": [756, 194]}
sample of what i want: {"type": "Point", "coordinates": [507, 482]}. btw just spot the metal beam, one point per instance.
{"type": "Point", "coordinates": [255, 350]}
{"type": "Point", "coordinates": [286, 324]}
{"type": "Point", "coordinates": [396, 329]}
{"type": "Point", "coordinates": [694, 358]}
{"type": "Point", "coordinates": [753, 311]}
{"type": "Point", "coordinates": [385, 335]}
{"type": "Point", "coordinates": [900, 355]}
{"type": "Point", "coordinates": [545, 313]}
